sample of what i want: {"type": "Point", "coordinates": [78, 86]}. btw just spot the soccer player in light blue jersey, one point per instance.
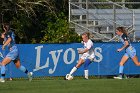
{"type": "Point", "coordinates": [13, 55]}
{"type": "Point", "coordinates": [130, 51]}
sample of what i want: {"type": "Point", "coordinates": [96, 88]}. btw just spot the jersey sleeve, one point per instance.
{"type": "Point", "coordinates": [8, 34]}
{"type": "Point", "coordinates": [124, 37]}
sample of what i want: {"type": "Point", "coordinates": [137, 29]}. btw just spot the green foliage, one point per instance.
{"type": "Point", "coordinates": [38, 21]}
{"type": "Point", "coordinates": [57, 31]}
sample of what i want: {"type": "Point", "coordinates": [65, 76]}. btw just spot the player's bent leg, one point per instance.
{"type": "Point", "coordinates": [3, 68]}
{"type": "Point", "coordinates": [123, 60]}
{"type": "Point", "coordinates": [20, 67]}
{"type": "Point", "coordinates": [23, 69]}
{"type": "Point", "coordinates": [80, 62]}
{"type": "Point", "coordinates": [120, 76]}
{"type": "Point", "coordinates": [2, 73]}
{"type": "Point", "coordinates": [135, 60]}
{"type": "Point", "coordinates": [73, 70]}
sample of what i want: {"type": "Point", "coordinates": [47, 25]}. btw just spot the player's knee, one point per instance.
{"type": "Point", "coordinates": [137, 64]}
{"type": "Point", "coordinates": [78, 65]}
{"type": "Point", "coordinates": [121, 63]}
{"type": "Point", "coordinates": [17, 66]}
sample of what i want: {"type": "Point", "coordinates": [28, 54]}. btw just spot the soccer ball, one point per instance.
{"type": "Point", "coordinates": [69, 77]}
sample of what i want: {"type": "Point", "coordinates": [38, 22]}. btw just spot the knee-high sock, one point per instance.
{"type": "Point", "coordinates": [121, 69]}
{"type": "Point", "coordinates": [3, 70]}
{"type": "Point", "coordinates": [22, 68]}
{"type": "Point", "coordinates": [73, 70]}
{"type": "Point", "coordinates": [86, 74]}
{"type": "Point", "coordinates": [86, 64]}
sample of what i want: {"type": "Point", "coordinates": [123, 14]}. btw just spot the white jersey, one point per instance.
{"type": "Point", "coordinates": [90, 53]}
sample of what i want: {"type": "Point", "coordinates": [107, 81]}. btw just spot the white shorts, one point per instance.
{"type": "Point", "coordinates": [87, 56]}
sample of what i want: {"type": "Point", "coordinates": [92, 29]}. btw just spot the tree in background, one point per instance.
{"type": "Point", "coordinates": [38, 21]}
{"type": "Point", "coordinates": [58, 31]}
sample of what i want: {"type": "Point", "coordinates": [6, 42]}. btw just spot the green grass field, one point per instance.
{"type": "Point", "coordinates": [73, 86]}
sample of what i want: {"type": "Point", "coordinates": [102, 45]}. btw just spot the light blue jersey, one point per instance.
{"type": "Point", "coordinates": [130, 51]}
{"type": "Point", "coordinates": [13, 50]}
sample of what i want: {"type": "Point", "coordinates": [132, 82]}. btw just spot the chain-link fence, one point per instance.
{"type": "Point", "coordinates": [100, 18]}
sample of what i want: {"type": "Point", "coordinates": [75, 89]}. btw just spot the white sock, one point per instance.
{"type": "Point", "coordinates": [73, 70]}
{"type": "Point", "coordinates": [86, 74]}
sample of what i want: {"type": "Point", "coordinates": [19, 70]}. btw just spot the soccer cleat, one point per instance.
{"type": "Point", "coordinates": [86, 77]}
{"type": "Point", "coordinates": [30, 76]}
{"type": "Point", "coordinates": [118, 77]}
{"type": "Point", "coordinates": [2, 80]}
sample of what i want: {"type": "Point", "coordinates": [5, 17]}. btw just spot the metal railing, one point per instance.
{"type": "Point", "coordinates": [98, 20]}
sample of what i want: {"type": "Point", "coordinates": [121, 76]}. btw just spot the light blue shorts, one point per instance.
{"type": "Point", "coordinates": [130, 52]}
{"type": "Point", "coordinates": [13, 54]}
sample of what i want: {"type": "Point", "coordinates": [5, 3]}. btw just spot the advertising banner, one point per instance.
{"type": "Point", "coordinates": [59, 59]}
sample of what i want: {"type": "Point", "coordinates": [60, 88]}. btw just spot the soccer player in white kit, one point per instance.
{"type": "Point", "coordinates": [87, 55]}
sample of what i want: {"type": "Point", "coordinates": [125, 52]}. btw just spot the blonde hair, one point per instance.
{"type": "Point", "coordinates": [87, 34]}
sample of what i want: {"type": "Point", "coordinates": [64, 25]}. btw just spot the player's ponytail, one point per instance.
{"type": "Point", "coordinates": [6, 27]}
{"type": "Point", "coordinates": [122, 29]}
